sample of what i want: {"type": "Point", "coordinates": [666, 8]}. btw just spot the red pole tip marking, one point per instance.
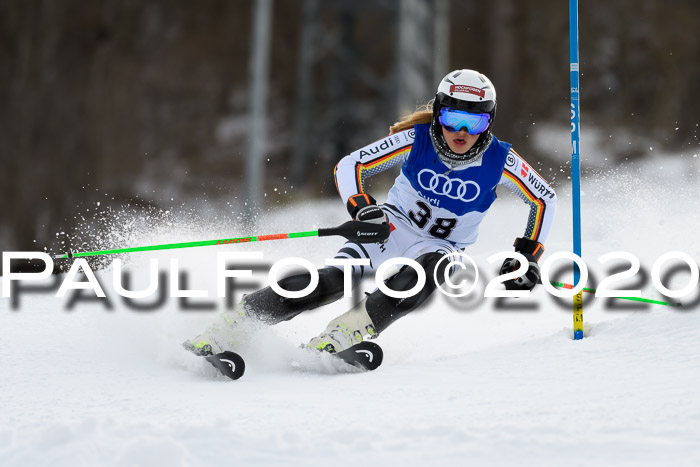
{"type": "Point", "coordinates": [272, 237]}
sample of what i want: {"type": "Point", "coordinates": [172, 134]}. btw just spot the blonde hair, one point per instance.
{"type": "Point", "coordinates": [423, 114]}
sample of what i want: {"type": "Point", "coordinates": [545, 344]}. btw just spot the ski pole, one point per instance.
{"type": "Point", "coordinates": [355, 231]}
{"type": "Point", "coordinates": [635, 299]}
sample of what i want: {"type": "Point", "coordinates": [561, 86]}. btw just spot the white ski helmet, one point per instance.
{"type": "Point", "coordinates": [470, 91]}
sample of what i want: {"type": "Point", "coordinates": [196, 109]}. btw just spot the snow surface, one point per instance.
{"type": "Point", "coordinates": [472, 381]}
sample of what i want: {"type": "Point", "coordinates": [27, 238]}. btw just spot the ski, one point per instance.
{"type": "Point", "coordinates": [228, 363]}
{"type": "Point", "coordinates": [365, 355]}
{"type": "Point", "coordinates": [361, 357]}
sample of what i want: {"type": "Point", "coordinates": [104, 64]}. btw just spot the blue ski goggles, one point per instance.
{"type": "Point", "coordinates": [454, 120]}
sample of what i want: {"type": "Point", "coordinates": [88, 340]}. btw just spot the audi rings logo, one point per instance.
{"type": "Point", "coordinates": [451, 187]}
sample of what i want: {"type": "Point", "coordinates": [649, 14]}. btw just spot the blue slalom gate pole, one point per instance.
{"type": "Point", "coordinates": [575, 160]}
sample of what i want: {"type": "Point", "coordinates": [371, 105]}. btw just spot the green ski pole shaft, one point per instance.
{"type": "Point", "coordinates": [354, 231]}
{"type": "Point", "coordinates": [172, 246]}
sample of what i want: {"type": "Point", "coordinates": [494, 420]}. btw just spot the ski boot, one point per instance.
{"type": "Point", "coordinates": [345, 331]}
{"type": "Point", "coordinates": [230, 330]}
{"type": "Point", "coordinates": [343, 338]}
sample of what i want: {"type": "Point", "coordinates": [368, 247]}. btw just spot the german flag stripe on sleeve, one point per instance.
{"type": "Point", "coordinates": [365, 170]}
{"type": "Point", "coordinates": [538, 206]}
{"type": "Point", "coordinates": [335, 178]}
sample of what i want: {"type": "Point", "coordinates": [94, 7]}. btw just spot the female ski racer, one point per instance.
{"type": "Point", "coordinates": [451, 164]}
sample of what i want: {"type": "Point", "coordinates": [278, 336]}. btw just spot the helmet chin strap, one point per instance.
{"type": "Point", "coordinates": [450, 157]}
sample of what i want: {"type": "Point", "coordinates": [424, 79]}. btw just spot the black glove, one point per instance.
{"type": "Point", "coordinates": [363, 208]}
{"type": "Point", "coordinates": [532, 251]}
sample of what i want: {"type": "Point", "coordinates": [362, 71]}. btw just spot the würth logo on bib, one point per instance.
{"type": "Point", "coordinates": [467, 89]}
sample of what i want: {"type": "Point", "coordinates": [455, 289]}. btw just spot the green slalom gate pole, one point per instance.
{"type": "Point", "coordinates": [634, 299]}
{"type": "Point", "coordinates": [356, 231]}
